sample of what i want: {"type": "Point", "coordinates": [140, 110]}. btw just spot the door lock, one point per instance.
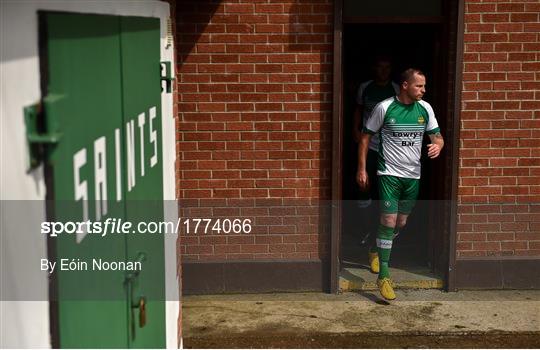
{"type": "Point", "coordinates": [142, 312]}
{"type": "Point", "coordinates": [131, 282]}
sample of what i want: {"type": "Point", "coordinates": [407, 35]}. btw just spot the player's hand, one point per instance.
{"type": "Point", "coordinates": [433, 150]}
{"type": "Point", "coordinates": [362, 179]}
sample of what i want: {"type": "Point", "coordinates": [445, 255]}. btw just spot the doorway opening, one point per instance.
{"type": "Point", "coordinates": [420, 254]}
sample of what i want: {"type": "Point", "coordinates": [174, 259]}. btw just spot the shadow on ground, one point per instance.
{"type": "Point", "coordinates": [490, 340]}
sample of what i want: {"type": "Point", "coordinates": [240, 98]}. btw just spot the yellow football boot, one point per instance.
{"type": "Point", "coordinates": [385, 287]}
{"type": "Point", "coordinates": [373, 262]}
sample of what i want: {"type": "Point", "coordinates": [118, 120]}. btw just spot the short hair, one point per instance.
{"type": "Point", "coordinates": [407, 74]}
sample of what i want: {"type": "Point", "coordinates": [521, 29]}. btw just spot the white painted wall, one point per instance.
{"type": "Point", "coordinates": [25, 324]}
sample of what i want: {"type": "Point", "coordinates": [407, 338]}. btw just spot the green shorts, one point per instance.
{"type": "Point", "coordinates": [398, 194]}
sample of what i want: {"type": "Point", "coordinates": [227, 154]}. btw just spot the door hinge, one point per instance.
{"type": "Point", "coordinates": [39, 131]}
{"type": "Point", "coordinates": [166, 75]}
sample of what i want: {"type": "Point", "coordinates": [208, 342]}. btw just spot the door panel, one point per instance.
{"type": "Point", "coordinates": [99, 81]}
{"type": "Point", "coordinates": [83, 103]}
{"type": "Point", "coordinates": [142, 96]}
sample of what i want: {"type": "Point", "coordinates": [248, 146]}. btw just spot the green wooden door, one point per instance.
{"type": "Point", "coordinates": [103, 95]}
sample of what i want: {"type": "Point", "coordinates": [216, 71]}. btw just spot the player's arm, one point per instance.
{"type": "Point", "coordinates": [358, 114]}
{"type": "Point", "coordinates": [361, 174]}
{"type": "Point", "coordinates": [437, 141]}
{"type": "Point", "coordinates": [373, 125]}
{"type": "Point", "coordinates": [436, 145]}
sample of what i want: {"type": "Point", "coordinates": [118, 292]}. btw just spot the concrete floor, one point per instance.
{"type": "Point", "coordinates": [415, 311]}
{"type": "Point", "coordinates": [358, 317]}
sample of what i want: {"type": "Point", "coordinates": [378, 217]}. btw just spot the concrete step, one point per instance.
{"type": "Point", "coordinates": [354, 279]}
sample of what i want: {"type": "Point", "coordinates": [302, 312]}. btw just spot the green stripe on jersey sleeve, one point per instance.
{"type": "Point", "coordinates": [433, 131]}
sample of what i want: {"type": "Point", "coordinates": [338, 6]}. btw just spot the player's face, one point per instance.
{"type": "Point", "coordinates": [383, 70]}
{"type": "Point", "coordinates": [416, 87]}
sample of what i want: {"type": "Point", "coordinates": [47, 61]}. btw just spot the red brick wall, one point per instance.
{"type": "Point", "coordinates": [499, 189]}
{"type": "Point", "coordinates": [254, 123]}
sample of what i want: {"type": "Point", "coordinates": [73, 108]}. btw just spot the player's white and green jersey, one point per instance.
{"type": "Point", "coordinates": [369, 94]}
{"type": "Point", "coordinates": [401, 128]}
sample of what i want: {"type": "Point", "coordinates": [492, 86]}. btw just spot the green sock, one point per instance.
{"type": "Point", "coordinates": [396, 232]}
{"type": "Point", "coordinates": [384, 246]}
